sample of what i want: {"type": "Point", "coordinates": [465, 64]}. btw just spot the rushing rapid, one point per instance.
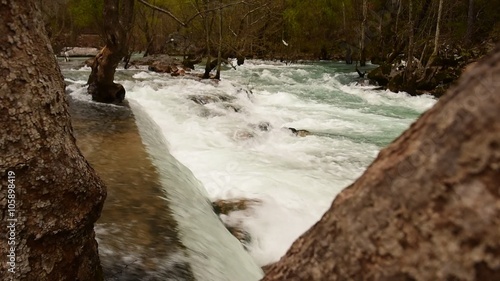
{"type": "Point", "coordinates": [233, 137]}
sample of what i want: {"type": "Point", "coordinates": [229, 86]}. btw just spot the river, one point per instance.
{"type": "Point", "coordinates": [232, 137]}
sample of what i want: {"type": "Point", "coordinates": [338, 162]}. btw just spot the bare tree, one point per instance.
{"type": "Point", "coordinates": [219, 52]}
{"type": "Point", "coordinates": [470, 22]}
{"type": "Point", "coordinates": [118, 15]}
{"type": "Point", "coordinates": [436, 37]}
{"type": "Point", "coordinates": [362, 48]}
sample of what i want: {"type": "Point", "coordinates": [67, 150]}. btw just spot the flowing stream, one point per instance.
{"type": "Point", "coordinates": [231, 141]}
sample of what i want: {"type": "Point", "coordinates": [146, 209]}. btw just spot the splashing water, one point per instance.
{"type": "Point", "coordinates": [294, 178]}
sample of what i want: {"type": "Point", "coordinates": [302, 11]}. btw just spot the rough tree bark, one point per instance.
{"type": "Point", "coordinates": [428, 208]}
{"type": "Point", "coordinates": [118, 15]}
{"type": "Point", "coordinates": [58, 196]}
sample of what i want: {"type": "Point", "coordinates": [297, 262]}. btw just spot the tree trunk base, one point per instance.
{"type": "Point", "coordinates": [107, 93]}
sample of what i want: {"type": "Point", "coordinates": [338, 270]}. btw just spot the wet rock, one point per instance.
{"type": "Point", "coordinates": [178, 72]}
{"type": "Point", "coordinates": [205, 99]}
{"type": "Point", "coordinates": [225, 207]}
{"type": "Point", "coordinates": [231, 205]}
{"type": "Point", "coordinates": [240, 60]}
{"type": "Point", "coordinates": [264, 126]}
{"type": "Point", "coordinates": [232, 107]}
{"type": "Point", "coordinates": [162, 67]}
{"type": "Point", "coordinates": [243, 135]}
{"type": "Point", "coordinates": [299, 133]}
{"type": "Point", "coordinates": [190, 62]}
{"type": "Point", "coordinates": [162, 64]}
{"type": "Point", "coordinates": [239, 233]}
{"type": "Point", "coordinates": [380, 74]}
{"type": "Point", "coordinates": [266, 267]}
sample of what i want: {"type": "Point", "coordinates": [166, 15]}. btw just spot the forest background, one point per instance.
{"type": "Point", "coordinates": [441, 36]}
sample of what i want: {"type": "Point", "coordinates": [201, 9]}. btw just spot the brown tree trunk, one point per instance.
{"type": "Point", "coordinates": [219, 53]}
{"type": "Point", "coordinates": [428, 208]}
{"type": "Point", "coordinates": [409, 77]}
{"type": "Point", "coordinates": [50, 197]}
{"type": "Point", "coordinates": [118, 15]}
{"type": "Point", "coordinates": [470, 22]}
{"type": "Point", "coordinates": [362, 48]}
{"type": "Point", "coordinates": [207, 27]}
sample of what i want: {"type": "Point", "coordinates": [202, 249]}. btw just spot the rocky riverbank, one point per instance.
{"type": "Point", "coordinates": [434, 78]}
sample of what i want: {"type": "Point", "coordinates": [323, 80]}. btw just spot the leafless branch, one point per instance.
{"type": "Point", "coordinates": [184, 24]}
{"type": "Point", "coordinates": [167, 12]}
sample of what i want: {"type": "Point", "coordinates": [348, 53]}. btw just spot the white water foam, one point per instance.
{"type": "Point", "coordinates": [295, 178]}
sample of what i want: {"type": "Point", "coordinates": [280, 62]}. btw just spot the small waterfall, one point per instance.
{"type": "Point", "coordinates": [213, 253]}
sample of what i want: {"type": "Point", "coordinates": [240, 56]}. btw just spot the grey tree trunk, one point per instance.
{"type": "Point", "coordinates": [436, 37]}
{"type": "Point", "coordinates": [428, 208]}
{"type": "Point", "coordinates": [50, 197]}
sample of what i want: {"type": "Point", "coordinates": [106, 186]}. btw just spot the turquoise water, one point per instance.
{"type": "Point", "coordinates": [294, 178]}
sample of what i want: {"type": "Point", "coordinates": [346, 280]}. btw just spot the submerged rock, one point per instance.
{"type": "Point", "coordinates": [243, 135]}
{"type": "Point", "coordinates": [205, 99]}
{"type": "Point", "coordinates": [299, 133]}
{"type": "Point", "coordinates": [264, 126]}
{"type": "Point", "coordinates": [162, 67]}
{"type": "Point", "coordinates": [225, 207]}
